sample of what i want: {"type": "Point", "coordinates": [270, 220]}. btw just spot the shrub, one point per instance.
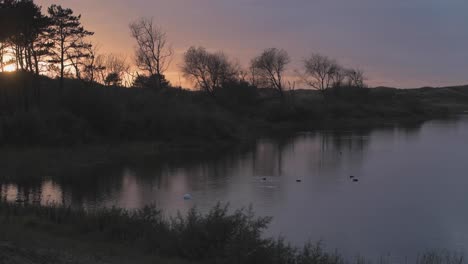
{"type": "Point", "coordinates": [219, 236]}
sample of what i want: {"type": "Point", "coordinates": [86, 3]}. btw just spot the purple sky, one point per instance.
{"type": "Point", "coordinates": [401, 43]}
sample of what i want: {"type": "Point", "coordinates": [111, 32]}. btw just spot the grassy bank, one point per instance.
{"type": "Point", "coordinates": [33, 234]}
{"type": "Point", "coordinates": [219, 236]}
{"type": "Point", "coordinates": [34, 111]}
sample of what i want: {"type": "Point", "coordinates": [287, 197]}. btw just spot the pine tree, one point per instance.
{"type": "Point", "coordinates": [22, 26]}
{"type": "Point", "coordinates": [68, 36]}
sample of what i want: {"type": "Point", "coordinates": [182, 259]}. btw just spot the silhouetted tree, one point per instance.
{"type": "Point", "coordinates": [115, 68]}
{"type": "Point", "coordinates": [142, 81]}
{"type": "Point", "coordinates": [355, 78]}
{"type": "Point", "coordinates": [153, 52]}
{"type": "Point", "coordinates": [6, 30]}
{"type": "Point", "coordinates": [92, 65]}
{"type": "Point", "coordinates": [68, 36]}
{"type": "Point", "coordinates": [2, 56]}
{"type": "Point", "coordinates": [321, 72]}
{"type": "Point", "coordinates": [9, 16]}
{"type": "Point", "coordinates": [37, 43]}
{"type": "Point", "coordinates": [339, 77]}
{"type": "Point", "coordinates": [80, 56]}
{"type": "Point", "coordinates": [7, 19]}
{"type": "Point", "coordinates": [269, 67]}
{"type": "Point", "coordinates": [41, 51]}
{"type": "Point", "coordinates": [113, 79]}
{"type": "Point", "coordinates": [23, 26]}
{"type": "Point", "coordinates": [209, 71]}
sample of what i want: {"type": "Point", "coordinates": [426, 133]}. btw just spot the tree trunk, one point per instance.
{"type": "Point", "coordinates": [2, 55]}
{"type": "Point", "coordinates": [36, 60]}
{"type": "Point", "coordinates": [19, 58]}
{"type": "Point", "coordinates": [158, 70]}
{"type": "Point", "coordinates": [29, 59]}
{"type": "Point", "coordinates": [62, 65]}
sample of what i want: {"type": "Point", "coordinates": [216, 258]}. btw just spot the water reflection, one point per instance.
{"type": "Point", "coordinates": [48, 193]}
{"type": "Point", "coordinates": [401, 203]}
{"type": "Point", "coordinates": [258, 173]}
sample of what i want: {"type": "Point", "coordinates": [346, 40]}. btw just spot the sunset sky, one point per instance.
{"type": "Point", "coordinates": [401, 43]}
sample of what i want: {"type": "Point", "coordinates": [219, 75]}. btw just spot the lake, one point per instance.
{"type": "Point", "coordinates": [411, 194]}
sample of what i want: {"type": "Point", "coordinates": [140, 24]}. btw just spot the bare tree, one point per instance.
{"type": "Point", "coordinates": [107, 69]}
{"type": "Point", "coordinates": [113, 69]}
{"type": "Point", "coordinates": [355, 78]}
{"type": "Point", "coordinates": [339, 76]}
{"type": "Point", "coordinates": [92, 65]}
{"type": "Point", "coordinates": [153, 52]}
{"type": "Point", "coordinates": [209, 71]}
{"type": "Point", "coordinates": [255, 79]}
{"type": "Point", "coordinates": [321, 72]}
{"type": "Point", "coordinates": [269, 67]}
{"type": "Point", "coordinates": [243, 75]}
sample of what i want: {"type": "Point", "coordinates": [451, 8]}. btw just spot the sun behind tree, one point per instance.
{"type": "Point", "coordinates": [9, 68]}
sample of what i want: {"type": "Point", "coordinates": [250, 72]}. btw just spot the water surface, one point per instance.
{"type": "Point", "coordinates": [411, 194]}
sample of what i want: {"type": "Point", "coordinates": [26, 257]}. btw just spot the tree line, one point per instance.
{"type": "Point", "coordinates": [56, 44]}
{"type": "Point", "coordinates": [211, 71]}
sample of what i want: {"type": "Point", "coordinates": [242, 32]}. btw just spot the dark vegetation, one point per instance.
{"type": "Point", "coordinates": [64, 92]}
{"type": "Point", "coordinates": [219, 236]}
{"type": "Point", "coordinates": [34, 112]}
{"type": "Point", "coordinates": [101, 114]}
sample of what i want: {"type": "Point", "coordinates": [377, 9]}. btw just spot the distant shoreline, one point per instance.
{"type": "Point", "coordinates": [36, 113]}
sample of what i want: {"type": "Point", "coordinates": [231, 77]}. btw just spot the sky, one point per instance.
{"type": "Point", "coordinates": [399, 43]}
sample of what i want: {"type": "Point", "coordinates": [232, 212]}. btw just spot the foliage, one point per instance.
{"type": "Point", "coordinates": [219, 236]}
{"type": "Point", "coordinates": [69, 40]}
{"type": "Point", "coordinates": [36, 110]}
{"type": "Point", "coordinates": [149, 82]}
{"type": "Point", "coordinates": [22, 27]}
{"type": "Point", "coordinates": [33, 112]}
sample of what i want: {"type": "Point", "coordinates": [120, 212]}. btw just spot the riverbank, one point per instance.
{"type": "Point", "coordinates": [34, 234]}
{"type": "Point", "coordinates": [38, 114]}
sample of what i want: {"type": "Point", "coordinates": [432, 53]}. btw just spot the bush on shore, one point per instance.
{"type": "Point", "coordinates": [35, 111]}
{"type": "Point", "coordinates": [220, 236]}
